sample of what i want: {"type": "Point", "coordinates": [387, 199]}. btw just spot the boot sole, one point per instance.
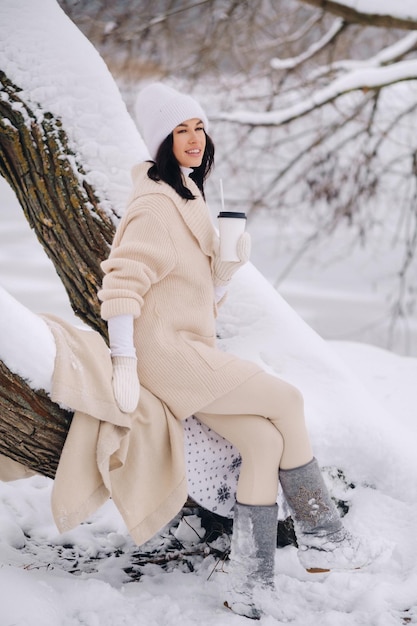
{"type": "Point", "coordinates": [319, 570]}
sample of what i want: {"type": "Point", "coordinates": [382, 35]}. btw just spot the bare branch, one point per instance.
{"type": "Point", "coordinates": [386, 56]}
{"type": "Point", "coordinates": [358, 80]}
{"type": "Point", "coordinates": [292, 63]}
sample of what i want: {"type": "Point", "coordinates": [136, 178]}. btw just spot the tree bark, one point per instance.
{"type": "Point", "coordinates": [32, 428]}
{"type": "Point", "coordinates": [64, 211]}
{"type": "Point", "coordinates": [356, 16]}
{"type": "Point", "coordinates": [60, 206]}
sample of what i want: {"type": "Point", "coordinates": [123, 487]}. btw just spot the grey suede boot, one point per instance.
{"type": "Point", "coordinates": [323, 543]}
{"type": "Point", "coordinates": [252, 558]}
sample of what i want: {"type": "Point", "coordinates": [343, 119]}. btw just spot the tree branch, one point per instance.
{"type": "Point", "coordinates": [291, 63]}
{"type": "Point", "coordinates": [60, 206]}
{"type": "Point", "coordinates": [357, 80]}
{"type": "Point", "coordinates": [33, 429]}
{"type": "Point", "coordinates": [75, 232]}
{"type": "Point", "coordinates": [400, 19]}
{"type": "Point", "coordinates": [386, 56]}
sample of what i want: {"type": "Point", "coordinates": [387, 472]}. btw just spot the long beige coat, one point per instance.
{"type": "Point", "coordinates": [160, 270]}
{"type": "Point", "coordinates": [137, 459]}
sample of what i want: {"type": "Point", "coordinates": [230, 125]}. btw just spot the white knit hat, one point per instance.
{"type": "Point", "coordinates": [159, 109]}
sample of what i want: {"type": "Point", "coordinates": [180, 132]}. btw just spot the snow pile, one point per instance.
{"type": "Point", "coordinates": [60, 71]}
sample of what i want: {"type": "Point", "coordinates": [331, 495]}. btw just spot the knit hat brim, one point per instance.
{"type": "Point", "coordinates": [159, 109]}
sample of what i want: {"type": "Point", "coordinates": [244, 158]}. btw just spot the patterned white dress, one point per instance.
{"type": "Point", "coordinates": [212, 465]}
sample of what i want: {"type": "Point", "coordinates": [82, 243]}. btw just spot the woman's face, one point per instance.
{"type": "Point", "coordinates": [189, 142]}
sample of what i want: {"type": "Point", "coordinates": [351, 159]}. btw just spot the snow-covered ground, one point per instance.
{"type": "Point", "coordinates": [359, 402]}
{"type": "Point", "coordinates": [82, 577]}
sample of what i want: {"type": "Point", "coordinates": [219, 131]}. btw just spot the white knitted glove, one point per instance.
{"type": "Point", "coordinates": [224, 270]}
{"type": "Point", "coordinates": [125, 381]}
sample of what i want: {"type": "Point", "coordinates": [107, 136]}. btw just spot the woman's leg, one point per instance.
{"type": "Point", "coordinates": [324, 542]}
{"type": "Point", "coordinates": [241, 416]}
{"type": "Point", "coordinates": [252, 550]}
{"type": "Point", "coordinates": [260, 446]}
{"type": "Point", "coordinates": [280, 403]}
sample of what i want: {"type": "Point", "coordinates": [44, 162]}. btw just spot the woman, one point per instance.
{"type": "Point", "coordinates": [163, 282]}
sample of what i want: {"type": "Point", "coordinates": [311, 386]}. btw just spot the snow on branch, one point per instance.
{"type": "Point", "coordinates": [291, 63]}
{"type": "Point", "coordinates": [388, 14]}
{"type": "Point", "coordinates": [303, 30]}
{"type": "Point", "coordinates": [360, 79]}
{"type": "Point", "coordinates": [397, 50]}
{"type": "Point", "coordinates": [27, 346]}
{"type": "Point", "coordinates": [388, 55]}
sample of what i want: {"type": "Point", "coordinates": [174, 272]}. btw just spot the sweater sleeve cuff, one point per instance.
{"type": "Point", "coordinates": [119, 306]}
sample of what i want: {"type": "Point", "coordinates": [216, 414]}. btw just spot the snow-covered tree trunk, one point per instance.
{"type": "Point", "coordinates": [55, 108]}
{"type": "Point", "coordinates": [75, 233]}
{"type": "Point", "coordinates": [65, 214]}
{"type": "Point", "coordinates": [32, 428]}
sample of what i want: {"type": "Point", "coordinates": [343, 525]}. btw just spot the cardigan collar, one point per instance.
{"type": "Point", "coordinates": [195, 213]}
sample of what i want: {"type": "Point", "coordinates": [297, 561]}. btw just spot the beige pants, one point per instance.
{"type": "Point", "coordinates": [264, 420]}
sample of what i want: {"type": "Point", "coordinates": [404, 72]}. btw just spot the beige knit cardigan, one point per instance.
{"type": "Point", "coordinates": [160, 270]}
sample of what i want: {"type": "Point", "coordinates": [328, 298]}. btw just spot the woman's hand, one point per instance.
{"type": "Point", "coordinates": [125, 381]}
{"type": "Point", "coordinates": [224, 270]}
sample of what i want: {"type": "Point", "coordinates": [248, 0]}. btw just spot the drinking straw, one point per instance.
{"type": "Point", "coordinates": [221, 194]}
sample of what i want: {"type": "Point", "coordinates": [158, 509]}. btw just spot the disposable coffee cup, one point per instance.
{"type": "Point", "coordinates": [231, 227]}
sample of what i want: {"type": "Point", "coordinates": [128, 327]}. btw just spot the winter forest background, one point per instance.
{"type": "Point", "coordinates": [313, 120]}
{"type": "Point", "coordinates": [313, 115]}
{"type": "Point", "coordinates": [323, 164]}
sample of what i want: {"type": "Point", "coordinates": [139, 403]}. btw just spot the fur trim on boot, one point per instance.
{"type": "Point", "coordinates": [323, 543]}
{"type": "Point", "coordinates": [252, 558]}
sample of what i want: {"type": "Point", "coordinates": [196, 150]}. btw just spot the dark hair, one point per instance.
{"type": "Point", "coordinates": [166, 168]}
